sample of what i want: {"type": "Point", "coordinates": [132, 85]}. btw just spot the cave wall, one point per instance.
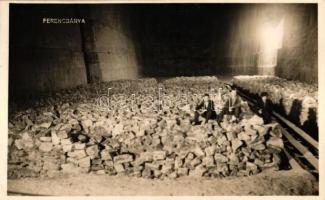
{"type": "Point", "coordinates": [296, 59]}
{"type": "Point", "coordinates": [47, 57]}
{"type": "Point", "coordinates": [176, 39]}
{"type": "Point", "coordinates": [44, 56]}
{"type": "Point", "coordinates": [134, 41]}
{"type": "Point", "coordinates": [115, 45]}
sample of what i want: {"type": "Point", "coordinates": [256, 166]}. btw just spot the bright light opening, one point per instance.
{"type": "Point", "coordinates": [271, 37]}
{"type": "Point", "coordinates": [270, 42]}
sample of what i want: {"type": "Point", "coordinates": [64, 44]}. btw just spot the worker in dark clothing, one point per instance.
{"type": "Point", "coordinates": [204, 109]}
{"type": "Point", "coordinates": [233, 104]}
{"type": "Point", "coordinates": [265, 110]}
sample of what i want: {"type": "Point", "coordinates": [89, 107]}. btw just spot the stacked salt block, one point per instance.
{"type": "Point", "coordinates": [192, 79]}
{"type": "Point", "coordinates": [138, 139]}
{"type": "Point", "coordinates": [88, 93]}
{"type": "Point", "coordinates": [283, 92]}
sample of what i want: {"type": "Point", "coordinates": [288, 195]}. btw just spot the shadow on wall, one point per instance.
{"type": "Point", "coordinates": [310, 126]}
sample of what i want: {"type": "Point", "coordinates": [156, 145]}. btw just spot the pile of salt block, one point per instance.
{"type": "Point", "coordinates": [283, 91]}
{"type": "Point", "coordinates": [192, 79]}
{"type": "Point", "coordinates": [87, 93]}
{"type": "Point", "coordinates": [137, 137]}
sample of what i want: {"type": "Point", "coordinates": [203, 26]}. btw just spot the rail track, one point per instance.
{"type": "Point", "coordinates": [299, 145]}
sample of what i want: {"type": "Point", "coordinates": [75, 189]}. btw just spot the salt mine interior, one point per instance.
{"type": "Point", "coordinates": [103, 99]}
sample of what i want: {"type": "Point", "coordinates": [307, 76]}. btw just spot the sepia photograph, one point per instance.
{"type": "Point", "coordinates": [163, 99]}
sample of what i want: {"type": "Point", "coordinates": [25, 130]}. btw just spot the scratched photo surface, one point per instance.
{"type": "Point", "coordinates": [163, 99]}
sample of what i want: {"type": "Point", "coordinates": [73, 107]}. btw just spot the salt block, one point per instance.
{"type": "Point", "coordinates": [138, 168]}
{"type": "Point", "coordinates": [62, 134]}
{"type": "Point", "coordinates": [195, 162]}
{"type": "Point", "coordinates": [152, 166]}
{"type": "Point", "coordinates": [86, 123]}
{"type": "Point", "coordinates": [146, 157]}
{"type": "Point", "coordinates": [275, 142]}
{"type": "Point", "coordinates": [258, 162]}
{"type": "Point", "coordinates": [221, 139]}
{"type": "Point", "coordinates": [78, 154]}
{"type": "Point", "coordinates": [256, 120]}
{"type": "Point", "coordinates": [92, 151]}
{"type": "Point", "coordinates": [10, 141]}
{"type": "Point", "coordinates": [105, 155]}
{"type": "Point", "coordinates": [26, 136]}
{"type": "Point", "coordinates": [66, 141]}
{"type": "Point", "coordinates": [19, 144]}
{"type": "Point", "coordinates": [124, 158]}
{"type": "Point", "coordinates": [72, 160]}
{"type": "Point", "coordinates": [53, 173]}
{"type": "Point", "coordinates": [159, 155]}
{"type": "Point", "coordinates": [198, 151]}
{"type": "Point", "coordinates": [119, 168]}
{"type": "Point", "coordinates": [117, 130]}
{"type": "Point", "coordinates": [231, 135]}
{"type": "Point", "coordinates": [146, 173]}
{"type": "Point", "coordinates": [140, 132]}
{"type": "Point", "coordinates": [67, 147]}
{"type": "Point", "coordinates": [45, 125]}
{"type": "Point", "coordinates": [70, 168]}
{"type": "Point", "coordinates": [178, 163]}
{"type": "Point", "coordinates": [84, 162]}
{"type": "Point", "coordinates": [258, 147]}
{"type": "Point", "coordinates": [167, 168]}
{"type": "Point", "coordinates": [182, 171]}
{"type": "Point", "coordinates": [223, 169]}
{"type": "Point", "coordinates": [55, 138]}
{"type": "Point", "coordinates": [235, 144]}
{"type": "Point", "coordinates": [96, 161]}
{"type": "Point", "coordinates": [82, 138]}
{"type": "Point", "coordinates": [260, 129]}
{"type": "Point", "coordinates": [233, 159]}
{"type": "Point", "coordinates": [243, 136]}
{"type": "Point", "coordinates": [198, 171]}
{"type": "Point", "coordinates": [251, 132]}
{"type": "Point", "coordinates": [219, 158]}
{"type": "Point", "coordinates": [109, 163]}
{"type": "Point", "coordinates": [45, 139]}
{"type": "Point", "coordinates": [173, 175]}
{"type": "Point", "coordinates": [251, 167]}
{"type": "Point", "coordinates": [212, 140]}
{"type": "Point", "coordinates": [101, 172]}
{"type": "Point", "coordinates": [79, 146]}
{"type": "Point", "coordinates": [208, 161]}
{"type": "Point", "coordinates": [209, 151]}
{"type": "Point", "coordinates": [50, 165]}
{"type": "Point", "coordinates": [254, 138]}
{"type": "Point", "coordinates": [46, 147]}
{"type": "Point", "coordinates": [157, 173]}
{"type": "Point", "coordinates": [190, 156]}
{"type": "Point", "coordinates": [28, 145]}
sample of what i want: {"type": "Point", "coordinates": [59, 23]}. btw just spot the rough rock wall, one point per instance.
{"type": "Point", "coordinates": [114, 42]}
{"type": "Point", "coordinates": [44, 56]}
{"type": "Point", "coordinates": [296, 59]}
{"type": "Point", "coordinates": [176, 39]}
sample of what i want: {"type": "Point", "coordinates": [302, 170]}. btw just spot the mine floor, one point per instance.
{"type": "Point", "coordinates": [284, 182]}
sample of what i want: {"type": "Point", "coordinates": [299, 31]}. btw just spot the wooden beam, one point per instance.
{"type": "Point", "coordinates": [302, 149]}
{"type": "Point", "coordinates": [302, 133]}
